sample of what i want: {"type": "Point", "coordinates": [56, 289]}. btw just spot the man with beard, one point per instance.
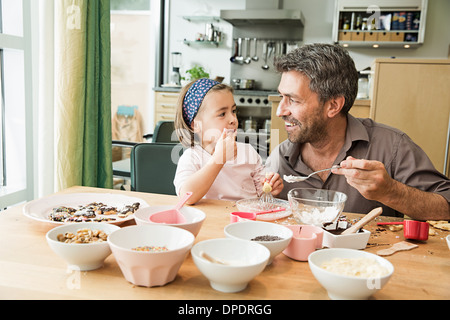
{"type": "Point", "coordinates": [380, 165]}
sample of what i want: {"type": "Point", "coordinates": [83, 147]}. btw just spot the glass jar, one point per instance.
{"type": "Point", "coordinates": [363, 88]}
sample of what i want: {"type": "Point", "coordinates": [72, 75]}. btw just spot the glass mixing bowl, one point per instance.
{"type": "Point", "coordinates": [316, 206]}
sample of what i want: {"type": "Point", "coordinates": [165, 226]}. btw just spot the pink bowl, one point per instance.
{"type": "Point", "coordinates": [194, 218]}
{"type": "Point", "coordinates": [150, 269]}
{"type": "Point", "coordinates": [305, 240]}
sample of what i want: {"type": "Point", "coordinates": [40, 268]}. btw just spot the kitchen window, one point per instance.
{"type": "Point", "coordinates": [16, 147]}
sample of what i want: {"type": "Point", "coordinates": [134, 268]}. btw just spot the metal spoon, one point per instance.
{"type": "Point", "coordinates": [239, 59]}
{"type": "Point", "coordinates": [266, 48]}
{"type": "Point", "coordinates": [291, 179]}
{"type": "Point", "coordinates": [248, 58]}
{"type": "Point", "coordinates": [233, 57]}
{"type": "Point", "coordinates": [255, 57]}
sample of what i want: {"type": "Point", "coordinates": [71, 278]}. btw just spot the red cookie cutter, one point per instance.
{"type": "Point", "coordinates": [412, 229]}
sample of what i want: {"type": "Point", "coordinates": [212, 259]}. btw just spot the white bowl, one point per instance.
{"type": "Point", "coordinates": [194, 217]}
{"type": "Point", "coordinates": [247, 230]}
{"type": "Point", "coordinates": [316, 206]}
{"type": "Point", "coordinates": [150, 269]}
{"type": "Point", "coordinates": [351, 241]}
{"type": "Point", "coordinates": [81, 256]}
{"type": "Point", "coordinates": [448, 240]}
{"type": "Point", "coordinates": [246, 259]}
{"type": "Point", "coordinates": [343, 287]}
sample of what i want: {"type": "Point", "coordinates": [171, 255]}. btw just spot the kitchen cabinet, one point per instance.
{"type": "Point", "coordinates": [360, 109]}
{"type": "Point", "coordinates": [165, 105]}
{"type": "Point", "coordinates": [413, 95]}
{"type": "Point", "coordinates": [277, 132]}
{"type": "Point", "coordinates": [380, 23]}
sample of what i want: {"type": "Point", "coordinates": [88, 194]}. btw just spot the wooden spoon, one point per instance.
{"type": "Point", "coordinates": [399, 246]}
{"type": "Point", "coordinates": [364, 220]}
{"type": "Point", "coordinates": [206, 256]}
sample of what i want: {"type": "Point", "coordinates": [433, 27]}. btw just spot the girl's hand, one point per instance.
{"type": "Point", "coordinates": [226, 147]}
{"type": "Point", "coordinates": [275, 181]}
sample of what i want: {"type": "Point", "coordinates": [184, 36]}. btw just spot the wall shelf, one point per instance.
{"type": "Point", "coordinates": [396, 24]}
{"type": "Point", "coordinates": [203, 43]}
{"type": "Point", "coordinates": [199, 43]}
{"type": "Point", "coordinates": [199, 19]}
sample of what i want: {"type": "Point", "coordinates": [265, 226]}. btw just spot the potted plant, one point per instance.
{"type": "Point", "coordinates": [194, 73]}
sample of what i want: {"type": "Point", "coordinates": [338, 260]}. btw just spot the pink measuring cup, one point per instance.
{"type": "Point", "coordinates": [242, 216]}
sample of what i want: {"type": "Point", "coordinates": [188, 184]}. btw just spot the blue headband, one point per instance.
{"type": "Point", "coordinates": [194, 97]}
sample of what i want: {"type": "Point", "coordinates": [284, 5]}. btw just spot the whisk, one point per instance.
{"type": "Point", "coordinates": [266, 200]}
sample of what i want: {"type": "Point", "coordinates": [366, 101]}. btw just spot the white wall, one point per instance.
{"type": "Point", "coordinates": [216, 61]}
{"type": "Point", "coordinates": [318, 28]}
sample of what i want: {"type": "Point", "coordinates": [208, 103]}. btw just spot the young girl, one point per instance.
{"type": "Point", "coordinates": [215, 166]}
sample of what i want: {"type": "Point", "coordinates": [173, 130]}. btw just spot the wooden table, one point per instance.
{"type": "Point", "coordinates": [29, 269]}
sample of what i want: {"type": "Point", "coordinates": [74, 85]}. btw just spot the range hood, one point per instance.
{"type": "Point", "coordinates": [262, 16]}
{"type": "Point", "coordinates": [263, 12]}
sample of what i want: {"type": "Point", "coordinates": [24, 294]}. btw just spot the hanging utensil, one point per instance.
{"type": "Point", "coordinates": [255, 56]}
{"type": "Point", "coordinates": [248, 58]}
{"type": "Point", "coordinates": [265, 54]}
{"type": "Point", "coordinates": [278, 48]}
{"type": "Point", "coordinates": [271, 50]}
{"type": "Point", "coordinates": [235, 54]}
{"type": "Point", "coordinates": [240, 58]}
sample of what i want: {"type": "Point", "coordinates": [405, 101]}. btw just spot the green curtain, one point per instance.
{"type": "Point", "coordinates": [97, 170]}
{"type": "Point", "coordinates": [83, 94]}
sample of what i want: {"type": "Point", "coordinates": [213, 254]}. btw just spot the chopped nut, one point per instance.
{"type": "Point", "coordinates": [83, 236]}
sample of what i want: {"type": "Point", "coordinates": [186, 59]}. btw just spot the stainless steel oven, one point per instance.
{"type": "Point", "coordinates": [254, 116]}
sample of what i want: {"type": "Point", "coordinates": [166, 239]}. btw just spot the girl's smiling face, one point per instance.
{"type": "Point", "coordinates": [217, 112]}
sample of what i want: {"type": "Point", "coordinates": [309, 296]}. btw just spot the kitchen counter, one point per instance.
{"type": "Point", "coordinates": [29, 269]}
{"type": "Point", "coordinates": [360, 102]}
{"type": "Point", "coordinates": [236, 91]}
{"type": "Point", "coordinates": [167, 89]}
